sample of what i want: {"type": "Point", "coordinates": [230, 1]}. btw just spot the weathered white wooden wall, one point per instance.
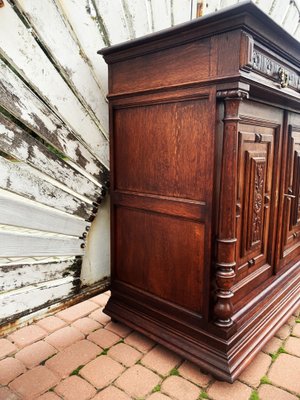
{"type": "Point", "coordinates": [54, 137]}
{"type": "Point", "coordinates": [285, 12]}
{"type": "Point", "coordinates": [54, 142]}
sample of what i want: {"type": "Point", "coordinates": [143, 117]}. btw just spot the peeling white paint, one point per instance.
{"type": "Point", "coordinates": [113, 16]}
{"type": "Point", "coordinates": [161, 13]}
{"type": "Point", "coordinates": [16, 98]}
{"type": "Point", "coordinates": [68, 55]}
{"type": "Point", "coordinates": [84, 25]}
{"type": "Point", "coordinates": [19, 46]}
{"type": "Point", "coordinates": [18, 276]}
{"type": "Point", "coordinates": [284, 12]}
{"type": "Point", "coordinates": [30, 297]}
{"type": "Point", "coordinates": [20, 145]}
{"type": "Point", "coordinates": [21, 179]}
{"type": "Point", "coordinates": [141, 22]}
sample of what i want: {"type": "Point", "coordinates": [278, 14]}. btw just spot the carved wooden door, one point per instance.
{"type": "Point", "coordinates": [258, 147]}
{"type": "Point", "coordinates": [289, 230]}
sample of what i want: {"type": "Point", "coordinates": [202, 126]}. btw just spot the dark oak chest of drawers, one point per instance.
{"type": "Point", "coordinates": [205, 185]}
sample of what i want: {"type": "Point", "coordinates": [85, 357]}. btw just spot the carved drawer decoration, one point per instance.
{"type": "Point", "coordinates": [274, 70]}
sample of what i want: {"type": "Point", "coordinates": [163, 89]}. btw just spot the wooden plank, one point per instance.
{"type": "Point", "coordinates": [297, 32]}
{"type": "Point", "coordinates": [19, 100]}
{"type": "Point", "coordinates": [161, 11]}
{"type": "Point", "coordinates": [31, 297]}
{"type": "Point", "coordinates": [214, 5]}
{"type": "Point", "coordinates": [83, 19]}
{"type": "Point", "coordinates": [15, 210]}
{"type": "Point", "coordinates": [182, 11]}
{"type": "Point", "coordinates": [265, 5]}
{"type": "Point", "coordinates": [24, 180]}
{"type": "Point", "coordinates": [278, 11]}
{"type": "Point", "coordinates": [113, 16]}
{"type": "Point", "coordinates": [19, 46]}
{"type": "Point", "coordinates": [291, 19]}
{"type": "Point", "coordinates": [136, 10]}
{"type": "Point", "coordinates": [22, 146]}
{"type": "Point", "coordinates": [13, 277]}
{"type": "Point", "coordinates": [17, 245]}
{"type": "Point", "coordinates": [69, 57]}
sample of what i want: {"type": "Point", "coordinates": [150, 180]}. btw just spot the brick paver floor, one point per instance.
{"type": "Point", "coordinates": [79, 354]}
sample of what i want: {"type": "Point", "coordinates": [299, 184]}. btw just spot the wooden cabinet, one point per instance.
{"type": "Point", "coordinates": [205, 182]}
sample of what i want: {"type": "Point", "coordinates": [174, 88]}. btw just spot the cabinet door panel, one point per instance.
{"type": "Point", "coordinates": [290, 195]}
{"type": "Point", "coordinates": [258, 157]}
{"type": "Point", "coordinates": [255, 186]}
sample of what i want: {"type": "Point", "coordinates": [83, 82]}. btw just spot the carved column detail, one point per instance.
{"type": "Point", "coordinates": [226, 231]}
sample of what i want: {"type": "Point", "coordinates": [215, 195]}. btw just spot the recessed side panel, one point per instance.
{"type": "Point", "coordinates": [164, 149]}
{"type": "Point", "coordinates": [161, 255]}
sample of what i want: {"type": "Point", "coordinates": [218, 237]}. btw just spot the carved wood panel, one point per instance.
{"type": "Point", "coordinates": [255, 188]}
{"type": "Point", "coordinates": [255, 204]}
{"type": "Point", "coordinates": [290, 235]}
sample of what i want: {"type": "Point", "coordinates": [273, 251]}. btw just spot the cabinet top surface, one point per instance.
{"type": "Point", "coordinates": [246, 16]}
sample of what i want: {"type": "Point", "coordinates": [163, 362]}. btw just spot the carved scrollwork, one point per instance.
{"type": "Point", "coordinates": [258, 203]}
{"type": "Point", "coordinates": [233, 93]}
{"type": "Point", "coordinates": [277, 72]}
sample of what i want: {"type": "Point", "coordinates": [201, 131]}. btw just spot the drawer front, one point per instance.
{"type": "Point", "coordinates": [275, 69]}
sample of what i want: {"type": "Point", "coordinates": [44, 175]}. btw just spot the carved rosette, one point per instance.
{"type": "Point", "coordinates": [226, 234]}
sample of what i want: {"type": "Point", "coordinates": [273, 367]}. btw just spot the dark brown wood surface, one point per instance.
{"type": "Point", "coordinates": [205, 164]}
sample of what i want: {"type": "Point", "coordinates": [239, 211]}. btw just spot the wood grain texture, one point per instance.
{"type": "Point", "coordinates": [158, 138]}
{"type": "Point", "coordinates": [185, 60]}
{"type": "Point", "coordinates": [161, 255]}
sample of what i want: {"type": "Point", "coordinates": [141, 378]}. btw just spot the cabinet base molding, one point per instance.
{"type": "Point", "coordinates": [201, 343]}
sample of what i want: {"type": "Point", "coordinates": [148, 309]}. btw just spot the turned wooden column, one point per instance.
{"type": "Point", "coordinates": [226, 232]}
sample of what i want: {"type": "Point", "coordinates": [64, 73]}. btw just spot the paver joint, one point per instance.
{"type": "Point", "coordinates": [79, 354]}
